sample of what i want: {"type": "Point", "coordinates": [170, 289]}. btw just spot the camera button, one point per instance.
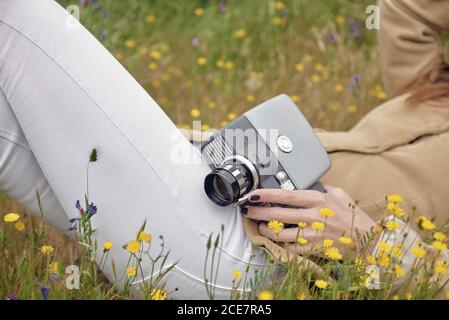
{"type": "Point", "coordinates": [285, 144]}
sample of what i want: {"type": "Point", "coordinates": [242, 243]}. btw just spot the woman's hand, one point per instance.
{"type": "Point", "coordinates": [348, 221]}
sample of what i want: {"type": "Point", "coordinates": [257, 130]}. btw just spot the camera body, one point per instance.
{"type": "Point", "coordinates": [270, 146]}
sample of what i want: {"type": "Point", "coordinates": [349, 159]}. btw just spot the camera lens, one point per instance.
{"type": "Point", "coordinates": [229, 182]}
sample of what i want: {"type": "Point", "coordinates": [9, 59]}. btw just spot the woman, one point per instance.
{"type": "Point", "coordinates": [62, 94]}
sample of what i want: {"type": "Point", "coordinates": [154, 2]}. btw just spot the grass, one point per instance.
{"type": "Point", "coordinates": [203, 64]}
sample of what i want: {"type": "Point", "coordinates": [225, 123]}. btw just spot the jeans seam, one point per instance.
{"type": "Point", "coordinates": [6, 135]}
{"type": "Point", "coordinates": [106, 115]}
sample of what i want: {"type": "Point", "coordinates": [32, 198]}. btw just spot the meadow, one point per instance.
{"type": "Point", "coordinates": [212, 60]}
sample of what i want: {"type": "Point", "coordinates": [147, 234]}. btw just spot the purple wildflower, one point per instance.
{"type": "Point", "coordinates": [45, 291]}
{"type": "Point", "coordinates": [222, 7]}
{"type": "Point", "coordinates": [355, 29]}
{"type": "Point", "coordinates": [54, 278]}
{"type": "Point", "coordinates": [10, 297]}
{"type": "Point", "coordinates": [196, 42]}
{"type": "Point", "coordinates": [78, 205]}
{"type": "Point", "coordinates": [357, 79]}
{"type": "Point", "coordinates": [332, 37]}
{"type": "Point", "coordinates": [91, 210]}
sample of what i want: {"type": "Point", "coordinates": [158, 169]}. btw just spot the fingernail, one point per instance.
{"type": "Point", "coordinates": [244, 211]}
{"type": "Point", "coordinates": [254, 198]}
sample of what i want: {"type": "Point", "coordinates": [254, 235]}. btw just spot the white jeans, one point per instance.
{"type": "Point", "coordinates": [63, 94]}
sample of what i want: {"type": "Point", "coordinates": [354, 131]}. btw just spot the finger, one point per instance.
{"type": "Point", "coordinates": [286, 235]}
{"type": "Point", "coordinates": [285, 215]}
{"type": "Point", "coordinates": [298, 198]}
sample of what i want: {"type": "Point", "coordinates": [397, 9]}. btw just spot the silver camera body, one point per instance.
{"type": "Point", "coordinates": [270, 146]}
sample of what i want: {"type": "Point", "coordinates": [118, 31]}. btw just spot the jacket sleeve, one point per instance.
{"type": "Point", "coordinates": [411, 52]}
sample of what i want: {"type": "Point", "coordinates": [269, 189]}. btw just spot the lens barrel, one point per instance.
{"type": "Point", "coordinates": [229, 182]}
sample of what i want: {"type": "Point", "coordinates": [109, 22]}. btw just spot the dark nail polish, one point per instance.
{"type": "Point", "coordinates": [244, 211]}
{"type": "Point", "coordinates": [254, 198]}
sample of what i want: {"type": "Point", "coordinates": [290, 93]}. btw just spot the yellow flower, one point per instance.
{"type": "Point", "coordinates": [302, 241]}
{"type": "Point", "coordinates": [440, 267]}
{"type": "Point", "coordinates": [318, 226]}
{"type": "Point", "coordinates": [201, 61]}
{"type": "Point", "coordinates": [384, 247]}
{"type": "Point", "coordinates": [395, 198]}
{"type": "Point", "coordinates": [19, 226]}
{"type": "Point", "coordinates": [107, 246]}
{"type": "Point", "coordinates": [265, 295]}
{"type": "Point", "coordinates": [371, 259]}
{"type": "Point", "coordinates": [327, 213]}
{"type": "Point", "coordinates": [277, 21]}
{"type": "Point", "coordinates": [294, 98]}
{"type": "Point", "coordinates": [151, 18]}
{"type": "Point", "coordinates": [276, 226]}
{"type": "Point", "coordinates": [301, 296]}
{"type": "Point", "coordinates": [299, 67]}
{"type": "Point", "coordinates": [231, 116]}
{"type": "Point", "coordinates": [199, 12]}
{"type": "Point", "coordinates": [408, 295]}
{"type": "Point", "coordinates": [220, 63]}
{"type": "Point", "coordinates": [315, 78]}
{"type": "Point", "coordinates": [205, 127]}
{"type": "Point", "coordinates": [144, 236]}
{"type": "Point", "coordinates": [339, 88]}
{"type": "Point", "coordinates": [418, 252]}
{"type": "Point", "coordinates": [155, 54]}
{"type": "Point", "coordinates": [240, 33]}
{"type": "Point", "coordinates": [426, 224]}
{"type": "Point", "coordinates": [53, 267]}
{"type": "Point", "coordinates": [358, 262]}
{"type": "Point", "coordinates": [392, 225]}
{"type": "Point", "coordinates": [321, 284]}
{"type": "Point", "coordinates": [133, 246]}
{"type": "Point", "coordinates": [352, 109]}
{"type": "Point", "coordinates": [439, 236]}
{"type": "Point", "coordinates": [279, 5]}
{"type": "Point", "coordinates": [440, 246]}
{"type": "Point", "coordinates": [158, 294]}
{"type": "Point", "coordinates": [47, 249]}
{"type": "Point", "coordinates": [11, 217]}
{"type": "Point", "coordinates": [391, 206]}
{"type": "Point", "coordinates": [211, 105]}
{"type": "Point", "coordinates": [333, 253]}
{"type": "Point", "coordinates": [399, 271]}
{"type": "Point", "coordinates": [347, 241]}
{"type": "Point", "coordinates": [131, 272]}
{"type": "Point", "coordinates": [339, 20]}
{"type": "Point", "coordinates": [250, 98]}
{"type": "Point", "coordinates": [152, 66]}
{"type": "Point", "coordinates": [398, 212]}
{"type": "Point", "coordinates": [384, 259]}
{"type": "Point", "coordinates": [236, 274]}
{"type": "Point", "coordinates": [229, 65]}
{"type": "Point", "coordinates": [195, 113]}
{"type": "Point", "coordinates": [302, 225]}
{"type": "Point", "coordinates": [327, 243]}
{"type": "Point", "coordinates": [396, 251]}
{"type": "Point", "coordinates": [130, 43]}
